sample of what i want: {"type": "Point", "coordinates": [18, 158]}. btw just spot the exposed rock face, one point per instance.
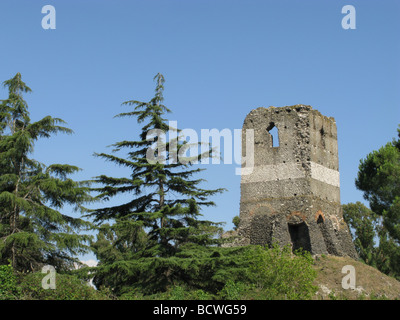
{"type": "Point", "coordinates": [292, 195]}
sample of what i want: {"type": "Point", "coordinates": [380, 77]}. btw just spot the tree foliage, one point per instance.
{"type": "Point", "coordinates": [162, 216]}
{"type": "Point", "coordinates": [364, 226]}
{"type": "Point", "coordinates": [379, 179]}
{"type": "Point", "coordinates": [33, 230]}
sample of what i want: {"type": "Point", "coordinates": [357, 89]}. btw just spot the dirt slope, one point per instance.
{"type": "Point", "coordinates": [370, 283]}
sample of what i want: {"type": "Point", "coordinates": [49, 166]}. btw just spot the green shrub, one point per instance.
{"type": "Point", "coordinates": [173, 293]}
{"type": "Point", "coordinates": [234, 290]}
{"type": "Point", "coordinates": [248, 272]}
{"type": "Point", "coordinates": [280, 274]}
{"type": "Point", "coordinates": [68, 287]}
{"type": "Point", "coordinates": [8, 283]}
{"type": "Point", "coordinates": [177, 293]}
{"type": "Point", "coordinates": [182, 293]}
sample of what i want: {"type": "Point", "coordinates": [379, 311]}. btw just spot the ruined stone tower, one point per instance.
{"type": "Point", "coordinates": [292, 195]}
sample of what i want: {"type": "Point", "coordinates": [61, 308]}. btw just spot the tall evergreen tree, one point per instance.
{"type": "Point", "coordinates": [165, 201]}
{"type": "Point", "coordinates": [33, 231]}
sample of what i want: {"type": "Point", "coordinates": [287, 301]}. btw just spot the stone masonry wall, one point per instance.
{"type": "Point", "coordinates": [293, 194]}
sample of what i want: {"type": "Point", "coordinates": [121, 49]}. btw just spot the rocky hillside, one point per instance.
{"type": "Point", "coordinates": [370, 283]}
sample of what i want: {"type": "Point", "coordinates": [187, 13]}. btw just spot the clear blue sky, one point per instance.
{"type": "Point", "coordinates": [220, 59]}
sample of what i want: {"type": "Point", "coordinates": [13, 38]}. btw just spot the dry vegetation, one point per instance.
{"type": "Point", "coordinates": [370, 283]}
